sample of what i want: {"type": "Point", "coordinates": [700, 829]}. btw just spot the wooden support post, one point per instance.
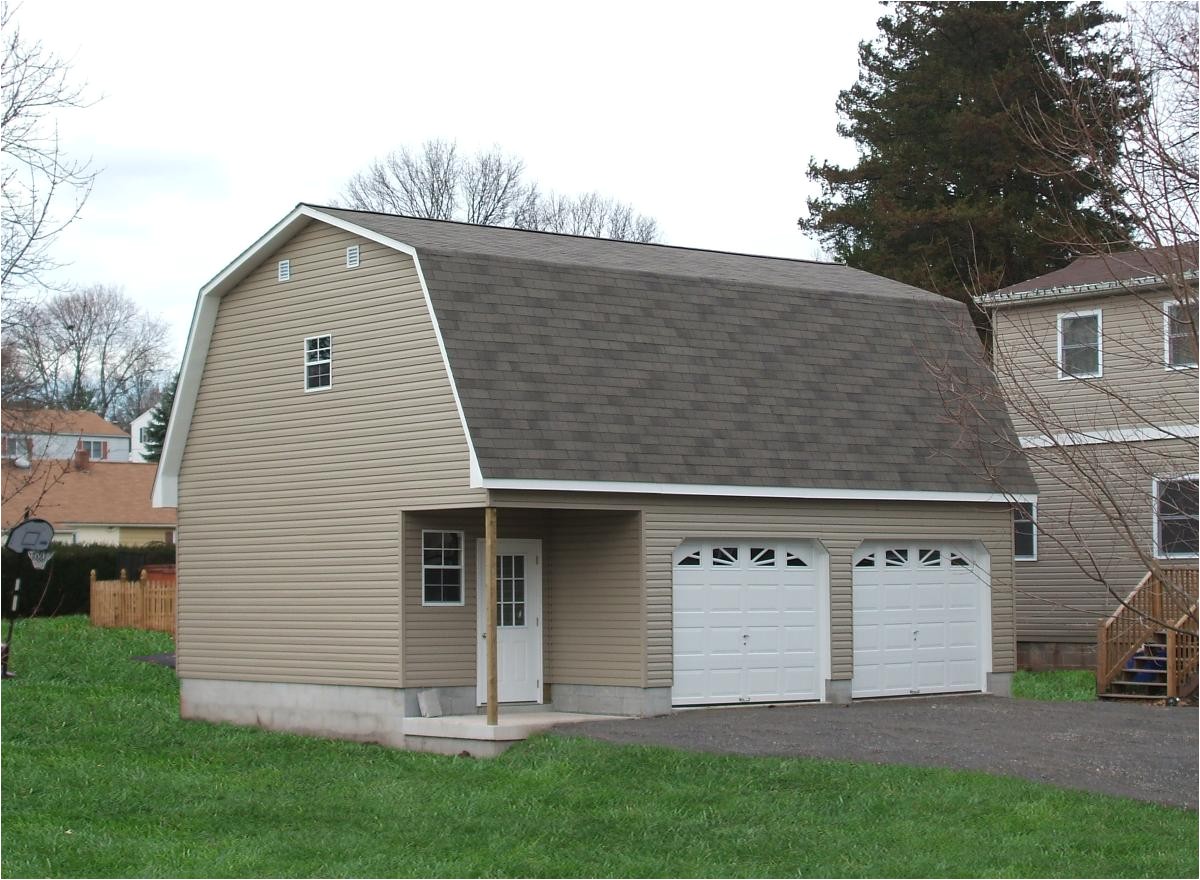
{"type": "Point", "coordinates": [1172, 678]}
{"type": "Point", "coordinates": [93, 599]}
{"type": "Point", "coordinates": [489, 560]}
{"type": "Point", "coordinates": [1101, 658]}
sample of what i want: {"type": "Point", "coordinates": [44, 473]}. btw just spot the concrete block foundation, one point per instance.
{"type": "Point", "coordinates": [610, 699]}
{"type": "Point", "coordinates": [1038, 656]}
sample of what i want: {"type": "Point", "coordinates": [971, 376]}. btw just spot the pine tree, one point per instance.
{"type": "Point", "coordinates": [156, 431]}
{"type": "Point", "coordinates": [942, 196]}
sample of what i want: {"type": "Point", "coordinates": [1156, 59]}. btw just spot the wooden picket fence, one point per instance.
{"type": "Point", "coordinates": [147, 603]}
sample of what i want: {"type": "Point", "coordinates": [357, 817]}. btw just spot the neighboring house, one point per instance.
{"type": "Point", "coordinates": [137, 435]}
{"type": "Point", "coordinates": [88, 502]}
{"type": "Point", "coordinates": [718, 478]}
{"type": "Point", "coordinates": [57, 434]}
{"type": "Point", "coordinates": [1098, 361]}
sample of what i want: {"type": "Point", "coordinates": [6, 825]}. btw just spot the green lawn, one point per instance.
{"type": "Point", "coordinates": [100, 778]}
{"type": "Point", "coordinates": [1077, 685]}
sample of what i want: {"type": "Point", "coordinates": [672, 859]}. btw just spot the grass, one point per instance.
{"type": "Point", "coordinates": [101, 778]}
{"type": "Point", "coordinates": [1075, 685]}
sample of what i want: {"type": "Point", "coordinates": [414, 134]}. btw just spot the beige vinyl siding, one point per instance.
{"type": "Point", "coordinates": [1135, 389]}
{"type": "Point", "coordinates": [841, 526]}
{"type": "Point", "coordinates": [1081, 554]}
{"type": "Point", "coordinates": [591, 597]}
{"type": "Point", "coordinates": [289, 502]}
{"type": "Point", "coordinates": [596, 613]}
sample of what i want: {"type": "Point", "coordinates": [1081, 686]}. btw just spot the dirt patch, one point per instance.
{"type": "Point", "coordinates": [1138, 751]}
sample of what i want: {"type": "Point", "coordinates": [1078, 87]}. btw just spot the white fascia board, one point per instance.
{"type": "Point", "coordinates": [1074, 291]}
{"type": "Point", "coordinates": [204, 318]}
{"type": "Point", "coordinates": [796, 492]}
{"type": "Point", "coordinates": [1110, 435]}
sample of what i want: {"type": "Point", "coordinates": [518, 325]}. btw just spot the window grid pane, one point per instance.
{"type": "Point", "coordinates": [1081, 345]}
{"type": "Point", "coordinates": [441, 568]}
{"type": "Point", "coordinates": [1178, 509]}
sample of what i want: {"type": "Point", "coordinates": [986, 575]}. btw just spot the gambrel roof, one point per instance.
{"type": "Point", "coordinates": [588, 363]}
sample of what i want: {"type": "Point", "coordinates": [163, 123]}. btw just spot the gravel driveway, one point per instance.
{"type": "Point", "coordinates": [1138, 751]}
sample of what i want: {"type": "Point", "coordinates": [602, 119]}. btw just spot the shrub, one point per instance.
{"type": "Point", "coordinates": [63, 587]}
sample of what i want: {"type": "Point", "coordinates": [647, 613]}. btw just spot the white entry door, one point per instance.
{"type": "Point", "coordinates": [750, 622]}
{"type": "Point", "coordinates": [518, 621]}
{"type": "Point", "coordinates": [922, 622]}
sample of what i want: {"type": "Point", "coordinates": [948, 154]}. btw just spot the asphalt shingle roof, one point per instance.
{"type": "Point", "coordinates": [588, 359]}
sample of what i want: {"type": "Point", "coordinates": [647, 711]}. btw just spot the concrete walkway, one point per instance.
{"type": "Point", "coordinates": [1134, 750]}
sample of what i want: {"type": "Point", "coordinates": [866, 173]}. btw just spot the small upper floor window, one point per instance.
{"type": "Point", "coordinates": [318, 362]}
{"type": "Point", "coordinates": [1176, 510]}
{"type": "Point", "coordinates": [1025, 532]}
{"type": "Point", "coordinates": [142, 432]}
{"type": "Point", "coordinates": [1179, 335]}
{"type": "Point", "coordinates": [1079, 349]}
{"type": "Point", "coordinates": [94, 448]}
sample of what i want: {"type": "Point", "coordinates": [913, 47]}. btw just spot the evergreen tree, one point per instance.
{"type": "Point", "coordinates": [943, 195]}
{"type": "Point", "coordinates": [156, 431]}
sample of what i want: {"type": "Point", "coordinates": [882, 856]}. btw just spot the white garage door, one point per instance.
{"type": "Point", "coordinates": [749, 622]}
{"type": "Point", "coordinates": [921, 621]}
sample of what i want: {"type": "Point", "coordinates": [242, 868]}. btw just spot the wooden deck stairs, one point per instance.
{"type": "Point", "coordinates": [1148, 648]}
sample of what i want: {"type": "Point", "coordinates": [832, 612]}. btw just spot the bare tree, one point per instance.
{"type": "Point", "coordinates": [1101, 484]}
{"type": "Point", "coordinates": [88, 349]}
{"type": "Point", "coordinates": [43, 188]}
{"type": "Point", "coordinates": [439, 183]}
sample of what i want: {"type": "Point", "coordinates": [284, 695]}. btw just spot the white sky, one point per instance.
{"type": "Point", "coordinates": [216, 118]}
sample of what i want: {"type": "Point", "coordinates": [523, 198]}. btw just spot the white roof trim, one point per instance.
{"type": "Point", "coordinates": [1077, 290]}
{"type": "Point", "coordinates": [1110, 435]}
{"type": "Point", "coordinates": [634, 488]}
{"type": "Point", "coordinates": [204, 317]}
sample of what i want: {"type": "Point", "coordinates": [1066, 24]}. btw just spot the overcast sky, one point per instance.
{"type": "Point", "coordinates": [215, 119]}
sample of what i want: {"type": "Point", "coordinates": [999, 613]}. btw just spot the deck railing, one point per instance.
{"type": "Point", "coordinates": [1162, 602]}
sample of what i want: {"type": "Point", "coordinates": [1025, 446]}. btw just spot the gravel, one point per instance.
{"type": "Point", "coordinates": [1141, 751]}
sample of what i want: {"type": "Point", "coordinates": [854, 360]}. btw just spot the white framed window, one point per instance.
{"type": "Point", "coordinates": [352, 257]}
{"type": "Point", "coordinates": [142, 435]}
{"type": "Point", "coordinates": [1176, 511]}
{"type": "Point", "coordinates": [285, 270]}
{"type": "Point", "coordinates": [1080, 352]}
{"type": "Point", "coordinates": [16, 445]}
{"type": "Point", "coordinates": [1025, 532]}
{"type": "Point", "coordinates": [94, 448]}
{"type": "Point", "coordinates": [1179, 335]}
{"type": "Point", "coordinates": [318, 362]}
{"type": "Point", "coordinates": [441, 568]}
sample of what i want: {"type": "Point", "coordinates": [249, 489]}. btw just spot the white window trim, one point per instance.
{"type": "Point", "coordinates": [462, 567]}
{"type": "Point", "coordinates": [284, 271]}
{"type": "Point", "coordinates": [307, 363]}
{"type": "Point", "coordinates": [1158, 554]}
{"type": "Point", "coordinates": [1167, 365]}
{"type": "Point", "coordinates": [353, 257]}
{"type": "Point", "coordinates": [1032, 505]}
{"type": "Point", "coordinates": [1086, 313]}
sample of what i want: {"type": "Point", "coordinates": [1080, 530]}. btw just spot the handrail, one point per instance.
{"type": "Point", "coordinates": [1147, 610]}
{"type": "Point", "coordinates": [1183, 654]}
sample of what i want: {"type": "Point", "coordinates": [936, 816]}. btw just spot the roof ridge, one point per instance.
{"type": "Point", "coordinates": [589, 238]}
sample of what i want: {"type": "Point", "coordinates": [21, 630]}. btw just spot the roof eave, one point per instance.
{"type": "Point", "coordinates": [1001, 299]}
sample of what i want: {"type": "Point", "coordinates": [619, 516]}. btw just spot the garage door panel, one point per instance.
{"type": "Point", "coordinates": [749, 626]}
{"type": "Point", "coordinates": [919, 614]}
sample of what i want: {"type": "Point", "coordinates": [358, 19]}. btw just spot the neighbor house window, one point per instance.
{"type": "Point", "coordinates": [1079, 351]}
{"type": "Point", "coordinates": [142, 435]}
{"type": "Point", "coordinates": [17, 445]}
{"type": "Point", "coordinates": [1176, 508]}
{"type": "Point", "coordinates": [441, 568]}
{"type": "Point", "coordinates": [94, 448]}
{"type": "Point", "coordinates": [1179, 335]}
{"type": "Point", "coordinates": [1025, 531]}
{"type": "Point", "coordinates": [318, 362]}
